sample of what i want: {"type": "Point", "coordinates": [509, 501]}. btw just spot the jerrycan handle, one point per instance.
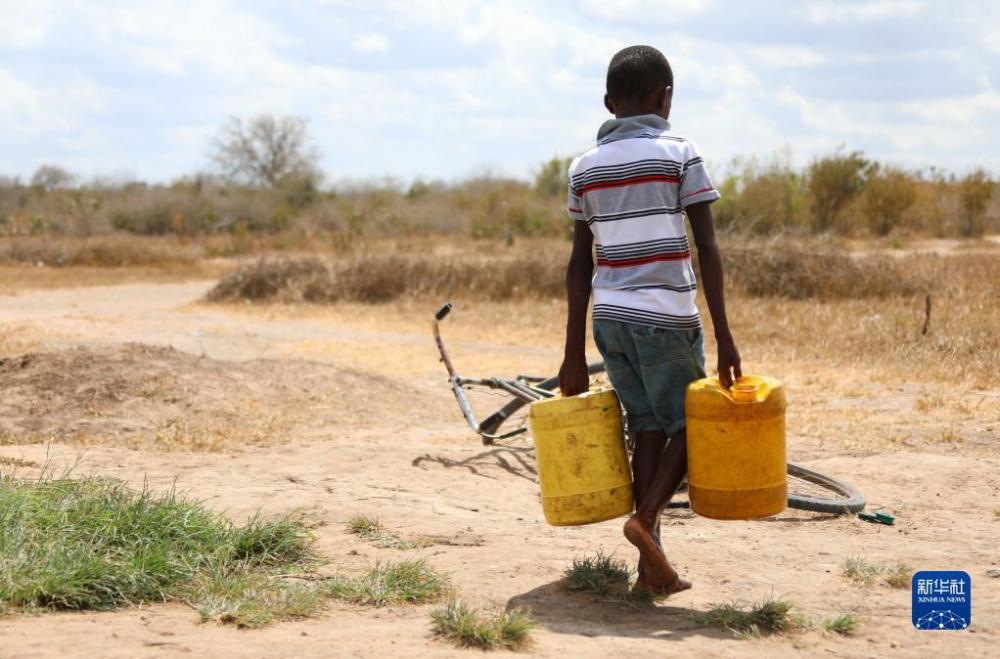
{"type": "Point", "coordinates": [744, 392]}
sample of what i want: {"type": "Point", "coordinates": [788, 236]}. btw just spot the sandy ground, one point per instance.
{"type": "Point", "coordinates": [361, 421]}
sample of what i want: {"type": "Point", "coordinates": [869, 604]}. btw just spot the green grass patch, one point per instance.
{"type": "Point", "coordinates": [897, 575]}
{"type": "Point", "coordinates": [866, 573]}
{"type": "Point", "coordinates": [845, 624]}
{"type": "Point", "coordinates": [371, 529]}
{"type": "Point", "coordinates": [409, 581]}
{"type": "Point", "coordinates": [768, 616]}
{"type": "Point", "coordinates": [860, 570]}
{"type": "Point", "coordinates": [467, 627]}
{"type": "Point", "coordinates": [603, 575]}
{"type": "Point", "coordinates": [93, 543]}
{"type": "Point", "coordinates": [248, 598]}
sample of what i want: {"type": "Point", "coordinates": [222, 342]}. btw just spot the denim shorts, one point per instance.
{"type": "Point", "coordinates": [650, 368]}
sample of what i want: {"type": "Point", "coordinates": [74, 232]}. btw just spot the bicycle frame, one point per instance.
{"type": "Point", "coordinates": [520, 387]}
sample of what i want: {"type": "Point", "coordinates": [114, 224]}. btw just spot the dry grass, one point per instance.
{"type": "Point", "coordinates": [384, 278]}
{"type": "Point", "coordinates": [109, 251]}
{"type": "Point", "coordinates": [601, 574]}
{"type": "Point", "coordinates": [961, 343]}
{"type": "Point", "coordinates": [468, 628]}
{"type": "Point", "coordinates": [774, 270]}
{"type": "Point", "coordinates": [845, 624]}
{"type": "Point", "coordinates": [835, 308]}
{"type": "Point", "coordinates": [408, 581]}
{"type": "Point", "coordinates": [371, 529]}
{"type": "Point", "coordinates": [768, 616]}
{"type": "Point", "coordinates": [866, 573]}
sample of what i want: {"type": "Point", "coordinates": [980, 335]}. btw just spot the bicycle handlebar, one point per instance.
{"type": "Point", "coordinates": [443, 311]}
{"type": "Point", "coordinates": [456, 387]}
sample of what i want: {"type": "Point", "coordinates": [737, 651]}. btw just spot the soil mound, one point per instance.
{"type": "Point", "coordinates": [156, 396]}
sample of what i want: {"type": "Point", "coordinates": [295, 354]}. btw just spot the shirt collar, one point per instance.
{"type": "Point", "coordinates": [620, 129]}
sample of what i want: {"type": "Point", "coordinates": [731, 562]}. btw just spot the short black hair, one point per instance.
{"type": "Point", "coordinates": [636, 71]}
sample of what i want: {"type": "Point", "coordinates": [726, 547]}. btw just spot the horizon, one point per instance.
{"type": "Point", "coordinates": [141, 91]}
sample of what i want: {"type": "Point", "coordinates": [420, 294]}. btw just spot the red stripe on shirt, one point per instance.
{"type": "Point", "coordinates": [629, 181]}
{"type": "Point", "coordinates": [574, 210]}
{"type": "Point", "coordinates": [691, 194]}
{"type": "Point", "coordinates": [678, 256]}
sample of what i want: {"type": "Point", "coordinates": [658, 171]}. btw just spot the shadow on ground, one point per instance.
{"type": "Point", "coordinates": [519, 461]}
{"type": "Point", "coordinates": [566, 612]}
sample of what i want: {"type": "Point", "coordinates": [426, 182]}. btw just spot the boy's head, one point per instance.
{"type": "Point", "coordinates": [639, 82]}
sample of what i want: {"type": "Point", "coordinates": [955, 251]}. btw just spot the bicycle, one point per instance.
{"type": "Point", "coordinates": [807, 489]}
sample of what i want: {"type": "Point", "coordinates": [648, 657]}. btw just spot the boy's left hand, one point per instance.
{"type": "Point", "coordinates": [729, 362]}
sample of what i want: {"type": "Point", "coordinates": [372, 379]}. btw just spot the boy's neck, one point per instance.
{"type": "Point", "coordinates": [638, 112]}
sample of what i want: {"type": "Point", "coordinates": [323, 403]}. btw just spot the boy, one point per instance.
{"type": "Point", "coordinates": [630, 192]}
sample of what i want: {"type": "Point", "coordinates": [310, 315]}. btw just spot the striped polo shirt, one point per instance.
{"type": "Point", "coordinates": [631, 188]}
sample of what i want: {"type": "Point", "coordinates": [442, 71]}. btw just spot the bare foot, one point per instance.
{"type": "Point", "coordinates": [657, 570]}
{"type": "Point", "coordinates": [677, 586]}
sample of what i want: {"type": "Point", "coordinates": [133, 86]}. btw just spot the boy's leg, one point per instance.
{"type": "Point", "coordinates": [641, 529]}
{"type": "Point", "coordinates": [648, 448]}
{"type": "Point", "coordinates": [669, 361]}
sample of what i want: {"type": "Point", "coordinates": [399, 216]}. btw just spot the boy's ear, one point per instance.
{"type": "Point", "coordinates": [609, 104]}
{"type": "Point", "coordinates": [664, 98]}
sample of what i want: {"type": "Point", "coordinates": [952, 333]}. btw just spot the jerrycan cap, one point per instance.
{"type": "Point", "coordinates": [744, 392]}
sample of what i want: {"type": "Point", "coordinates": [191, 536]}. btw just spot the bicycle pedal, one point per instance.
{"type": "Point", "coordinates": [878, 518]}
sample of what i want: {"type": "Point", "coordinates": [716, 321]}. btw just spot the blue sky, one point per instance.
{"type": "Point", "coordinates": [449, 88]}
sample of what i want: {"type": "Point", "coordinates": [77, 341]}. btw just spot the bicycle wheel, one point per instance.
{"type": "Point", "coordinates": [810, 490]}
{"type": "Point", "coordinates": [514, 414]}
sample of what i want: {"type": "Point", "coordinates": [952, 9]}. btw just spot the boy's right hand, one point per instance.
{"type": "Point", "coordinates": [573, 377]}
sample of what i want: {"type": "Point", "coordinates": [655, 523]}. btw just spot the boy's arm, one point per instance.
{"type": "Point", "coordinates": [573, 377]}
{"type": "Point", "coordinates": [710, 260]}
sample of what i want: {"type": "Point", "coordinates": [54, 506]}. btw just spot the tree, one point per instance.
{"type": "Point", "coordinates": [975, 191]}
{"type": "Point", "coordinates": [834, 181]}
{"type": "Point", "coordinates": [266, 151]}
{"type": "Point", "coordinates": [50, 177]}
{"type": "Point", "coordinates": [551, 178]}
{"type": "Point", "coordinates": [889, 193]}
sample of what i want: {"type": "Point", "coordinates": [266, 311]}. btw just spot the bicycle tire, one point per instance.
{"type": "Point", "coordinates": [493, 422]}
{"type": "Point", "coordinates": [845, 497]}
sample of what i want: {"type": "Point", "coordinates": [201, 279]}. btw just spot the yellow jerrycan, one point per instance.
{"type": "Point", "coordinates": [736, 448]}
{"type": "Point", "coordinates": [583, 466]}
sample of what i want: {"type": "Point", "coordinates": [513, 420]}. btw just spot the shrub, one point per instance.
{"type": "Point", "coordinates": [888, 194]}
{"type": "Point", "coordinates": [975, 191]}
{"type": "Point", "coordinates": [786, 272]}
{"type": "Point", "coordinates": [552, 178]}
{"type": "Point", "coordinates": [833, 182]}
{"type": "Point", "coordinates": [762, 198]}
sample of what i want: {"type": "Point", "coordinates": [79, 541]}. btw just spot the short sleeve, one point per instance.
{"type": "Point", "coordinates": [696, 185]}
{"type": "Point", "coordinates": [574, 204]}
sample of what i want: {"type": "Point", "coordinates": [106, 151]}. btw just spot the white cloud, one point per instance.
{"type": "Point", "coordinates": [370, 42]}
{"type": "Point", "coordinates": [787, 56]}
{"type": "Point", "coordinates": [24, 24]}
{"type": "Point", "coordinates": [957, 110]}
{"type": "Point", "coordinates": [177, 38]}
{"type": "Point", "coordinates": [641, 9]}
{"type": "Point", "coordinates": [29, 109]}
{"type": "Point", "coordinates": [827, 11]}
{"type": "Point", "coordinates": [496, 85]}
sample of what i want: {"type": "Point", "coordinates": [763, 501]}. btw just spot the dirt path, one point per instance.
{"type": "Point", "coordinates": [422, 473]}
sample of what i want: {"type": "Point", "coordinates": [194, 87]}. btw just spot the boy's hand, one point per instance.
{"type": "Point", "coordinates": [729, 362]}
{"type": "Point", "coordinates": [573, 377]}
